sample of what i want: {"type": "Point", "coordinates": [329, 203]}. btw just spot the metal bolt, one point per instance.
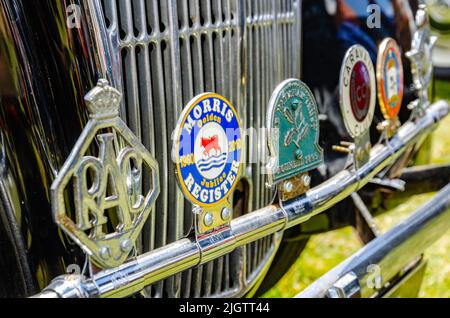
{"type": "Point", "coordinates": [306, 180]}
{"type": "Point", "coordinates": [226, 214]}
{"type": "Point", "coordinates": [360, 155]}
{"type": "Point", "coordinates": [288, 187]}
{"type": "Point", "coordinates": [298, 154]}
{"type": "Point", "coordinates": [126, 245]}
{"type": "Point", "coordinates": [208, 220]}
{"type": "Point", "coordinates": [368, 148]}
{"type": "Point", "coordinates": [105, 253]}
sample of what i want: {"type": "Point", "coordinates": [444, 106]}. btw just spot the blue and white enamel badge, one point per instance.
{"type": "Point", "coordinates": [208, 150]}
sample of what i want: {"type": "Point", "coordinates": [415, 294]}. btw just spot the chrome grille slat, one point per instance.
{"type": "Point", "coordinates": [208, 279]}
{"type": "Point", "coordinates": [160, 125]}
{"type": "Point", "coordinates": [218, 275]}
{"type": "Point", "coordinates": [187, 91]}
{"type": "Point", "coordinates": [176, 206]}
{"type": "Point", "coordinates": [198, 274]}
{"type": "Point", "coordinates": [186, 282]}
{"type": "Point", "coordinates": [171, 50]}
{"type": "Point", "coordinates": [148, 134]}
{"type": "Point", "coordinates": [226, 274]}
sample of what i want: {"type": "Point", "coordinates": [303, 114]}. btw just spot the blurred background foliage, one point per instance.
{"type": "Point", "coordinates": [325, 251]}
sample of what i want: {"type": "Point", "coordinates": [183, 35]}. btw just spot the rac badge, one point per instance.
{"type": "Point", "coordinates": [390, 83]}
{"type": "Point", "coordinates": [358, 99]}
{"type": "Point", "coordinates": [207, 152]}
{"type": "Point", "coordinates": [293, 138]}
{"type": "Point", "coordinates": [105, 191]}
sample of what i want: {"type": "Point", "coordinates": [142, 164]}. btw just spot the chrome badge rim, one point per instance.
{"type": "Point", "coordinates": [357, 91]}
{"type": "Point", "coordinates": [208, 150]}
{"type": "Point", "coordinates": [390, 78]}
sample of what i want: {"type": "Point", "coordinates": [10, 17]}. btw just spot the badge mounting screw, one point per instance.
{"type": "Point", "coordinates": [126, 245]}
{"type": "Point", "coordinates": [226, 214]}
{"type": "Point", "coordinates": [306, 180]}
{"type": "Point", "coordinates": [105, 253]}
{"type": "Point", "coordinates": [208, 220]}
{"type": "Point", "coordinates": [288, 187]}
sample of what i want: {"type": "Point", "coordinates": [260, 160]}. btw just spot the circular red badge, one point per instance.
{"type": "Point", "coordinates": [357, 91]}
{"type": "Point", "coordinates": [360, 91]}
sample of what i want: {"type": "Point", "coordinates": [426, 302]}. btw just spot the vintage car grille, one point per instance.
{"type": "Point", "coordinates": [167, 52]}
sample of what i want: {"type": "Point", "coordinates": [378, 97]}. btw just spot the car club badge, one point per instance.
{"type": "Point", "coordinates": [112, 179]}
{"type": "Point", "coordinates": [421, 60]}
{"type": "Point", "coordinates": [390, 83]}
{"type": "Point", "coordinates": [293, 138]}
{"type": "Point", "coordinates": [208, 153]}
{"type": "Point", "coordinates": [357, 100]}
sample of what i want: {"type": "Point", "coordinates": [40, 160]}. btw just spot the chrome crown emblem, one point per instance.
{"type": "Point", "coordinates": [103, 100]}
{"type": "Point", "coordinates": [105, 191]}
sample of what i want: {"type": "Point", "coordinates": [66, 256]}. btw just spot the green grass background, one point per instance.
{"type": "Point", "coordinates": [325, 251]}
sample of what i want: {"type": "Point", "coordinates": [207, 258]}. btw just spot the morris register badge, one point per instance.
{"type": "Point", "coordinates": [105, 191]}
{"type": "Point", "coordinates": [208, 154]}
{"type": "Point", "coordinates": [390, 79]}
{"type": "Point", "coordinates": [293, 137]}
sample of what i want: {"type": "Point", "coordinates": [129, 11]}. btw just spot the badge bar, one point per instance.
{"type": "Point", "coordinates": [186, 253]}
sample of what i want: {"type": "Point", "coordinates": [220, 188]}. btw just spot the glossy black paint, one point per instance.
{"type": "Point", "coordinates": [45, 70]}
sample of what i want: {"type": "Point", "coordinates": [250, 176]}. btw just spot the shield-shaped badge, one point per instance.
{"type": "Point", "coordinates": [390, 83]}
{"type": "Point", "coordinates": [293, 137]}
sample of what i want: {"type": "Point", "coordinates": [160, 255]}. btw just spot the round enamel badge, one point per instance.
{"type": "Point", "coordinates": [390, 78]}
{"type": "Point", "coordinates": [208, 150]}
{"type": "Point", "coordinates": [357, 91]}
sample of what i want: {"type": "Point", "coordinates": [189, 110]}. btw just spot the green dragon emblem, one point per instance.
{"type": "Point", "coordinates": [293, 125]}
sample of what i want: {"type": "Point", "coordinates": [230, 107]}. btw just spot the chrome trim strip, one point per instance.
{"type": "Point", "coordinates": [409, 239]}
{"type": "Point", "coordinates": [105, 61]}
{"type": "Point", "coordinates": [184, 254]}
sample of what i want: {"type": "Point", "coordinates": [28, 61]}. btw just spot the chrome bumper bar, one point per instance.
{"type": "Point", "coordinates": [393, 252]}
{"type": "Point", "coordinates": [174, 258]}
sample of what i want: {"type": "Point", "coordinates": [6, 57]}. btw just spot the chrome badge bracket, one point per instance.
{"type": "Point", "coordinates": [293, 139]}
{"type": "Point", "coordinates": [421, 61]}
{"type": "Point", "coordinates": [110, 201]}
